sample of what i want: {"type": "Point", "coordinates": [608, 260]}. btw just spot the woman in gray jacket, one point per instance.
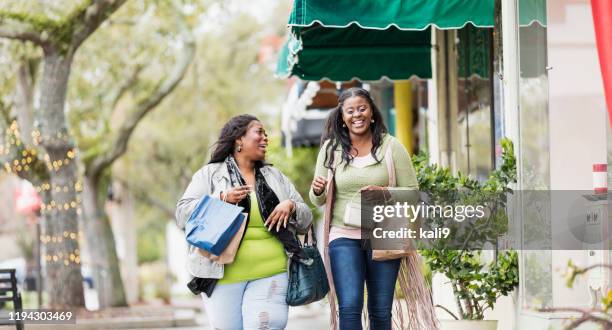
{"type": "Point", "coordinates": [250, 292]}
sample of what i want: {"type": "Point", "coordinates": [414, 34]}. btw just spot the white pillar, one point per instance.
{"type": "Point", "coordinates": [510, 110]}
{"type": "Point", "coordinates": [511, 65]}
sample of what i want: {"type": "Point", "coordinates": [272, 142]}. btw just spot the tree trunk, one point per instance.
{"type": "Point", "coordinates": [101, 246]}
{"type": "Point", "coordinates": [121, 212]}
{"type": "Point", "coordinates": [25, 99]}
{"type": "Point", "coordinates": [63, 279]}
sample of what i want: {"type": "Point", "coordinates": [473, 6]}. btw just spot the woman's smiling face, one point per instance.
{"type": "Point", "coordinates": [357, 115]}
{"type": "Point", "coordinates": [254, 142]}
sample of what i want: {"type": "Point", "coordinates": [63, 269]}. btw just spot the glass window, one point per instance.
{"type": "Point", "coordinates": [536, 266]}
{"type": "Point", "coordinates": [475, 147]}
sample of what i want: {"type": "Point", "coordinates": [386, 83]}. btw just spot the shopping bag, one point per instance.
{"type": "Point", "coordinates": [212, 224]}
{"type": "Point", "coordinates": [228, 255]}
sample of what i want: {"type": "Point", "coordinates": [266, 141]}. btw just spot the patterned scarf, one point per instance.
{"type": "Point", "coordinates": [267, 201]}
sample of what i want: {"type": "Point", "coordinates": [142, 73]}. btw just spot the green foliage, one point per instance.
{"type": "Point", "coordinates": [155, 282]}
{"type": "Point", "coordinates": [56, 29]}
{"type": "Point", "coordinates": [476, 285]}
{"type": "Point", "coordinates": [151, 236]}
{"type": "Point", "coordinates": [25, 242]}
{"type": "Point", "coordinates": [149, 245]}
{"type": "Point", "coordinates": [445, 189]}
{"type": "Point", "coordinates": [299, 168]}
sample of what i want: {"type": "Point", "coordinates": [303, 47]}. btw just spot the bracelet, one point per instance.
{"type": "Point", "coordinates": [224, 197]}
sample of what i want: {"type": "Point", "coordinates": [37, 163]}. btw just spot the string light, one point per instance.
{"type": "Point", "coordinates": [58, 209]}
{"type": "Point", "coordinates": [23, 162]}
{"type": "Point", "coordinates": [66, 259]}
{"type": "Point", "coordinates": [46, 186]}
{"type": "Point", "coordinates": [29, 155]}
{"type": "Point", "coordinates": [75, 236]}
{"type": "Point", "coordinates": [62, 257]}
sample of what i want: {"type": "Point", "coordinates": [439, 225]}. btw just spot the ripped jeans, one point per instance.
{"type": "Point", "coordinates": [249, 305]}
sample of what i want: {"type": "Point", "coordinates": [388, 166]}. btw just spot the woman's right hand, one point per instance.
{"type": "Point", "coordinates": [236, 194]}
{"type": "Point", "coordinates": [318, 185]}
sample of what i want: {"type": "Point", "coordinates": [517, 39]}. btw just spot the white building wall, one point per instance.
{"type": "Point", "coordinates": [577, 124]}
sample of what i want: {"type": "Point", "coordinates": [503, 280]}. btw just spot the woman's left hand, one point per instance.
{"type": "Point", "coordinates": [280, 215]}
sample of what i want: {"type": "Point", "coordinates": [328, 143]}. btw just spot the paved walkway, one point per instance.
{"type": "Point", "coordinates": [310, 317]}
{"type": "Point", "coordinates": [188, 314]}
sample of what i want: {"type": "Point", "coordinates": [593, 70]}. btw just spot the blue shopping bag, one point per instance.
{"type": "Point", "coordinates": [212, 224]}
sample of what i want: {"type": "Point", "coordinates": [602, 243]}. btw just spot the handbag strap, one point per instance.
{"type": "Point", "coordinates": [329, 207]}
{"type": "Point", "coordinates": [390, 167]}
{"type": "Point", "coordinates": [312, 238]}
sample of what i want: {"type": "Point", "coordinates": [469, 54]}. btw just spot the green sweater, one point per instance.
{"type": "Point", "coordinates": [260, 254]}
{"type": "Point", "coordinates": [350, 179]}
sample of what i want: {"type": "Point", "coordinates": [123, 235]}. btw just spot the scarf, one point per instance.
{"type": "Point", "coordinates": [267, 202]}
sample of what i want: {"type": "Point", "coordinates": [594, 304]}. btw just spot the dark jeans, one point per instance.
{"type": "Point", "coordinates": [351, 267]}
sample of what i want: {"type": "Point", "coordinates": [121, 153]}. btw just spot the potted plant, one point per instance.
{"type": "Point", "coordinates": [476, 285]}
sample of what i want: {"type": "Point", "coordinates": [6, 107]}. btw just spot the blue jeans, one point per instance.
{"type": "Point", "coordinates": [257, 304]}
{"type": "Point", "coordinates": [352, 266]}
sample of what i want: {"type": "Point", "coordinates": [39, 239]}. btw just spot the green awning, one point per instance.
{"type": "Point", "coordinates": [343, 54]}
{"type": "Point", "coordinates": [407, 14]}
{"type": "Point", "coordinates": [344, 39]}
{"type": "Point", "coordinates": [532, 11]}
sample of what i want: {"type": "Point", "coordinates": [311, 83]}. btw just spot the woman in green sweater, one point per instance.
{"type": "Point", "coordinates": [355, 147]}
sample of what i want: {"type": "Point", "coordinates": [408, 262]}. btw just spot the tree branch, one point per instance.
{"type": "Point", "coordinates": [123, 88]}
{"type": "Point", "coordinates": [119, 146]}
{"type": "Point", "coordinates": [142, 194]}
{"type": "Point", "coordinates": [86, 19]}
{"type": "Point", "coordinates": [67, 33]}
{"type": "Point", "coordinates": [587, 316]}
{"type": "Point", "coordinates": [586, 269]}
{"type": "Point", "coordinates": [23, 28]}
{"type": "Point", "coordinates": [448, 311]}
{"type": "Point", "coordinates": [455, 287]}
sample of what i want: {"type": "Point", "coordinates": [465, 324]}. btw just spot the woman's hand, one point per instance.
{"type": "Point", "coordinates": [318, 185]}
{"type": "Point", "coordinates": [373, 198]}
{"type": "Point", "coordinates": [236, 194]}
{"type": "Point", "coordinates": [280, 215]}
{"type": "Point", "coordinates": [371, 187]}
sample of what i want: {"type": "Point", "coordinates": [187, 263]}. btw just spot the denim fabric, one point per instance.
{"type": "Point", "coordinates": [249, 305]}
{"type": "Point", "coordinates": [352, 265]}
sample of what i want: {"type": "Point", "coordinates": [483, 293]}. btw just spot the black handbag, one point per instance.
{"type": "Point", "coordinates": [307, 278]}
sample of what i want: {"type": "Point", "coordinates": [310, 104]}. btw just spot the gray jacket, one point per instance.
{"type": "Point", "coordinates": [211, 180]}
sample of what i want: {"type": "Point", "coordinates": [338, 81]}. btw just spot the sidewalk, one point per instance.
{"type": "Point", "coordinates": [310, 317]}
{"type": "Point", "coordinates": [185, 314]}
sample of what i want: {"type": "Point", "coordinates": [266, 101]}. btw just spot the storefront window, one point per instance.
{"type": "Point", "coordinates": [475, 148]}
{"type": "Point", "coordinates": [534, 165]}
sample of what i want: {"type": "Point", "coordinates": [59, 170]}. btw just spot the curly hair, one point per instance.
{"type": "Point", "coordinates": [339, 135]}
{"type": "Point", "coordinates": [234, 129]}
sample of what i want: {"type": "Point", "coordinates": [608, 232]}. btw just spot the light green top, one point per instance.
{"type": "Point", "coordinates": [260, 254]}
{"type": "Point", "coordinates": [350, 179]}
